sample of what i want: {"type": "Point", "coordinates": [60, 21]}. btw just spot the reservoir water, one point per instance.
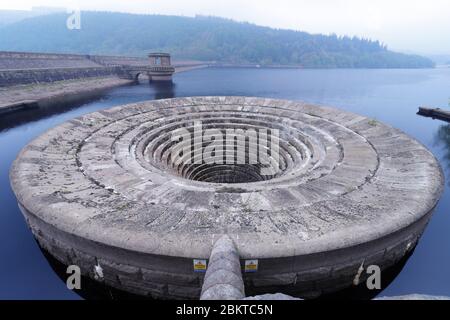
{"type": "Point", "coordinates": [390, 96]}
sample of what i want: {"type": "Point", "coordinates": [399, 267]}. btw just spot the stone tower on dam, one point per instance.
{"type": "Point", "coordinates": [161, 67]}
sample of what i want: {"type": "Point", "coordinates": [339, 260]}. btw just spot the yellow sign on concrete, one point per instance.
{"type": "Point", "coordinates": [200, 265]}
{"type": "Point", "coordinates": [251, 265]}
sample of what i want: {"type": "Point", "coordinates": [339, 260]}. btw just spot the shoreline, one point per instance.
{"type": "Point", "coordinates": [44, 95]}
{"type": "Point", "coordinates": [50, 94]}
{"type": "Point", "coordinates": [285, 67]}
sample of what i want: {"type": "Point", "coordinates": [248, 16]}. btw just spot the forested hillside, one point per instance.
{"type": "Point", "coordinates": [200, 38]}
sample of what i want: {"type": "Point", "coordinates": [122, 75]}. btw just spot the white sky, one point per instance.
{"type": "Point", "coordinates": [421, 26]}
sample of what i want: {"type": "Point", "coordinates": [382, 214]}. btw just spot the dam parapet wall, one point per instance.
{"type": "Point", "coordinates": [34, 76]}
{"type": "Point", "coordinates": [29, 60]}
{"type": "Point", "coordinates": [19, 68]}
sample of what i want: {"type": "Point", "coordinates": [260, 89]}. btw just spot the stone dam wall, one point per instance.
{"type": "Point", "coordinates": [19, 77]}
{"type": "Point", "coordinates": [30, 60]}
{"type": "Point", "coordinates": [18, 68]}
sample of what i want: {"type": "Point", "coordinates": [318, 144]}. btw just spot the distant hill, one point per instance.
{"type": "Point", "coordinates": [200, 38]}
{"type": "Point", "coordinates": [13, 16]}
{"type": "Point", "coordinates": [440, 59]}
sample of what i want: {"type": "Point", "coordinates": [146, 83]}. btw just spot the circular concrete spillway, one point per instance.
{"type": "Point", "coordinates": [118, 190]}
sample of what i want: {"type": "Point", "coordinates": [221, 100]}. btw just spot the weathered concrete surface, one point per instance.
{"type": "Point", "coordinates": [99, 191]}
{"type": "Point", "coordinates": [223, 279]}
{"type": "Point", "coordinates": [10, 60]}
{"type": "Point", "coordinates": [19, 77]}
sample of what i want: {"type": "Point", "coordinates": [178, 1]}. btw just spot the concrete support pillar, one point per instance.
{"type": "Point", "coordinates": [223, 279]}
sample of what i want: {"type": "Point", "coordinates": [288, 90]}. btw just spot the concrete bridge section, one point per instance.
{"type": "Point", "coordinates": [102, 191]}
{"type": "Point", "coordinates": [159, 70]}
{"type": "Point", "coordinates": [154, 73]}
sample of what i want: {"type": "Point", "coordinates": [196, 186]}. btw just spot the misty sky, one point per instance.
{"type": "Point", "coordinates": [421, 26]}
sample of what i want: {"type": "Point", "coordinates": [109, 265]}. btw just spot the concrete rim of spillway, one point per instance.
{"type": "Point", "coordinates": [104, 177]}
{"type": "Point", "coordinates": [101, 191]}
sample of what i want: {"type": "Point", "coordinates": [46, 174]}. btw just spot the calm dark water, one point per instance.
{"type": "Point", "coordinates": [391, 96]}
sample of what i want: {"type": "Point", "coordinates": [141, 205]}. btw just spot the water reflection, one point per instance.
{"type": "Point", "coordinates": [442, 139]}
{"type": "Point", "coordinates": [15, 119]}
{"type": "Point", "coordinates": [155, 90]}
{"type": "Point", "coordinates": [163, 90]}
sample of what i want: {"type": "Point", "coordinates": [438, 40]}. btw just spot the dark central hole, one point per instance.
{"type": "Point", "coordinates": [226, 173]}
{"type": "Point", "coordinates": [223, 153]}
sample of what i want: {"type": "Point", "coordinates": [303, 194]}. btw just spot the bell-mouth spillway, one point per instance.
{"type": "Point", "coordinates": [126, 189]}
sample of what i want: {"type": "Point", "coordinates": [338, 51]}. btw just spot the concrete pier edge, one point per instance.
{"type": "Point", "coordinates": [93, 198]}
